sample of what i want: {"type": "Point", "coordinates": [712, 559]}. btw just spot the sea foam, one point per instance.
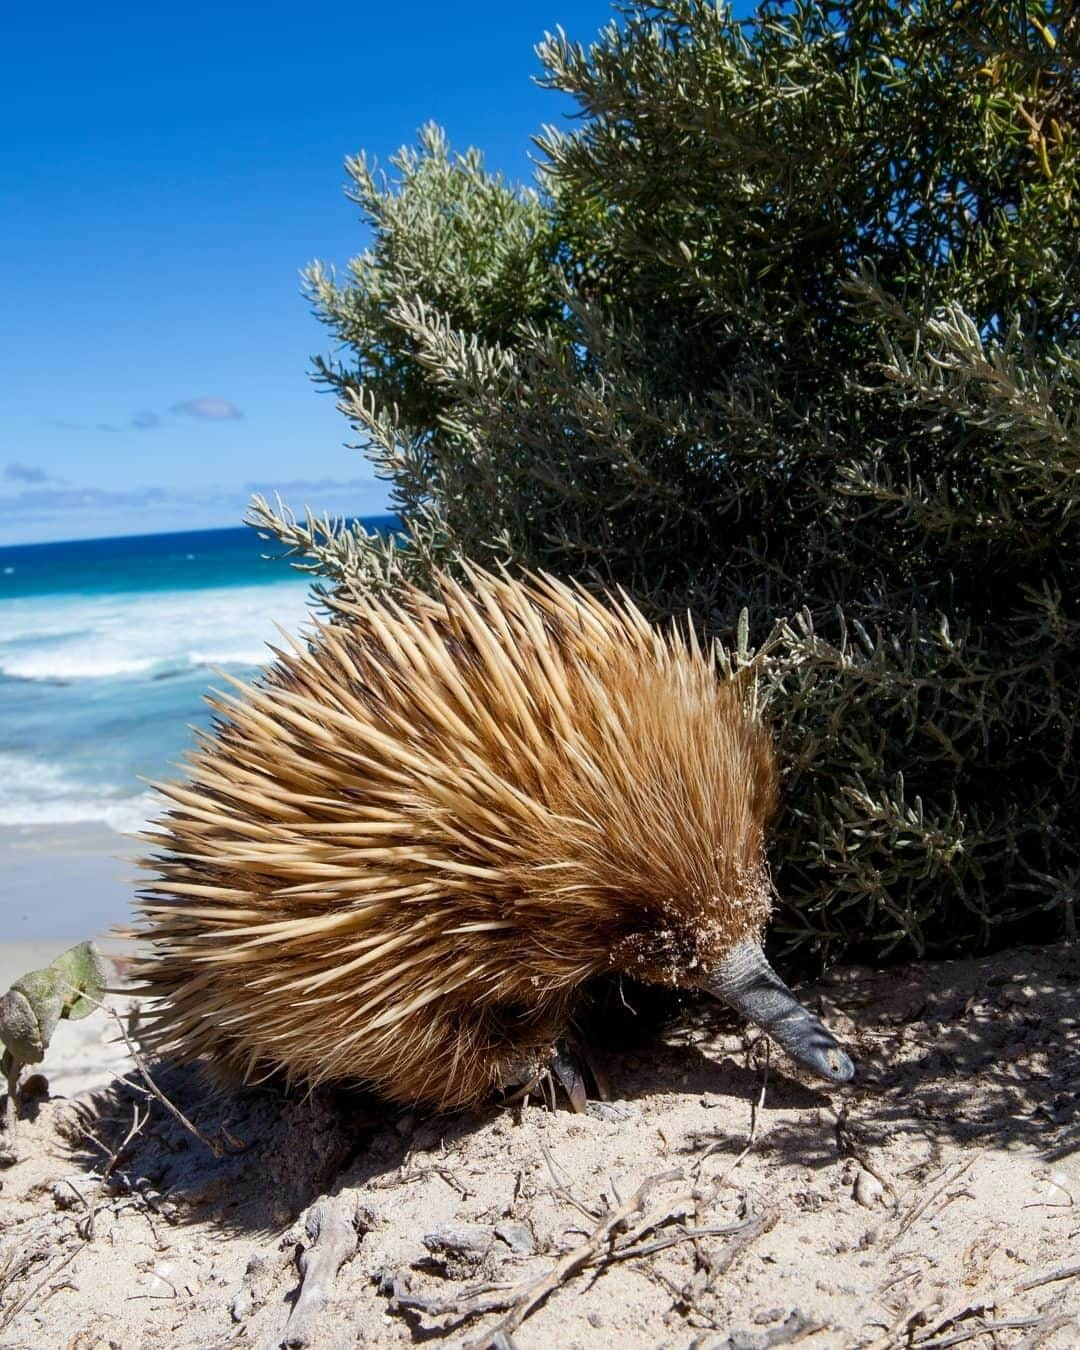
{"type": "Point", "coordinates": [71, 637]}
{"type": "Point", "coordinates": [33, 792]}
{"type": "Point", "coordinates": [99, 691]}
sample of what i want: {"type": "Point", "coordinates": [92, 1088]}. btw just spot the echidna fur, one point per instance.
{"type": "Point", "coordinates": [400, 854]}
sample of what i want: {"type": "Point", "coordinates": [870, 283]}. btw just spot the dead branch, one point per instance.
{"type": "Point", "coordinates": [755, 1226]}
{"type": "Point", "coordinates": [137, 1124]}
{"type": "Point", "coordinates": [331, 1224]}
{"type": "Point", "coordinates": [215, 1147]}
{"type": "Point", "coordinates": [560, 1189]}
{"type": "Point", "coordinates": [920, 1208]}
{"type": "Point", "coordinates": [404, 1176]}
{"type": "Point", "coordinates": [982, 1329]}
{"type": "Point", "coordinates": [1053, 1318]}
{"type": "Point", "coordinates": [18, 1305]}
{"type": "Point", "coordinates": [756, 1108]}
{"type": "Point", "coordinates": [576, 1259]}
{"type": "Point", "coordinates": [1049, 1277]}
{"type": "Point", "coordinates": [710, 1269]}
{"type": "Point", "coordinates": [521, 1300]}
{"type": "Point", "coordinates": [756, 1222]}
{"type": "Point", "coordinates": [607, 1244]}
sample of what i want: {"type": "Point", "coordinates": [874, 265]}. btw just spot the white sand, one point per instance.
{"type": "Point", "coordinates": [64, 883]}
{"type": "Point", "coordinates": [965, 1107]}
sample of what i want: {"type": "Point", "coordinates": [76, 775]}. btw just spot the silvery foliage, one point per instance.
{"type": "Point", "coordinates": [787, 331]}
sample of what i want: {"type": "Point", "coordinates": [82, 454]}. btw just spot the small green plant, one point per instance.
{"type": "Point", "coordinates": [69, 988]}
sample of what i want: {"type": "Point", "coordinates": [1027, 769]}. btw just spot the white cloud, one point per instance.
{"type": "Point", "coordinates": [210, 408]}
{"type": "Point", "coordinates": [38, 514]}
{"type": "Point", "coordinates": [25, 473]}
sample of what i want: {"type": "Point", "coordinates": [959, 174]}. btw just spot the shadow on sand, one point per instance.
{"type": "Point", "coordinates": [983, 1054]}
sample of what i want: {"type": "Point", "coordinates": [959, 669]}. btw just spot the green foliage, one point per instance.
{"type": "Point", "coordinates": [791, 328]}
{"type": "Point", "coordinates": [69, 988]}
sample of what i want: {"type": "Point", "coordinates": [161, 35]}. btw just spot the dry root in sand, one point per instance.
{"type": "Point", "coordinates": [333, 1226]}
{"type": "Point", "coordinates": [630, 1231]}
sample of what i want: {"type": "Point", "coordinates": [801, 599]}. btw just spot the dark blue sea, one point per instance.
{"type": "Point", "coordinates": [107, 648]}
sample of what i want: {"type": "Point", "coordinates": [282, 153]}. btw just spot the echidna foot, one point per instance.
{"type": "Point", "coordinates": [567, 1070]}
{"type": "Point", "coordinates": [566, 1066]}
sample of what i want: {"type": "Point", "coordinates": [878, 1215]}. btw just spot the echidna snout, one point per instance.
{"type": "Point", "coordinates": [401, 854]}
{"type": "Point", "coordinates": [746, 981]}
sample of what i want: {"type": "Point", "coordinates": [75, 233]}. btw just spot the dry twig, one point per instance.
{"type": "Point", "coordinates": [561, 1190]}
{"type": "Point", "coordinates": [521, 1300]}
{"type": "Point", "coordinates": [576, 1259]}
{"type": "Point", "coordinates": [1049, 1277]}
{"type": "Point", "coordinates": [137, 1124]}
{"type": "Point", "coordinates": [20, 1304]}
{"type": "Point", "coordinates": [607, 1244]}
{"type": "Point", "coordinates": [215, 1146]}
{"type": "Point", "coordinates": [921, 1206]}
{"type": "Point", "coordinates": [331, 1226]}
{"type": "Point", "coordinates": [756, 1108]}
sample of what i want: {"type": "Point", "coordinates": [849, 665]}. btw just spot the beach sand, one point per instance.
{"type": "Point", "coordinates": [60, 885]}
{"type": "Point", "coordinates": [64, 883]}
{"type": "Point", "coordinates": [935, 1199]}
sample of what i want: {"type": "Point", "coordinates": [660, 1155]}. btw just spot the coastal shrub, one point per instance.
{"type": "Point", "coordinates": [786, 336]}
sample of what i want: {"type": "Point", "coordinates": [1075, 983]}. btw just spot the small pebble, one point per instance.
{"type": "Point", "coordinates": [160, 1280]}
{"type": "Point", "coordinates": [868, 1190]}
{"type": "Point", "coordinates": [517, 1236]}
{"type": "Point", "coordinates": [462, 1239]}
{"type": "Point", "coordinates": [37, 1085]}
{"type": "Point", "coordinates": [241, 1306]}
{"type": "Point", "coordinates": [613, 1112]}
{"type": "Point", "coordinates": [64, 1197]}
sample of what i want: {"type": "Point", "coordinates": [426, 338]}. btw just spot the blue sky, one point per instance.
{"type": "Point", "coordinates": [168, 171]}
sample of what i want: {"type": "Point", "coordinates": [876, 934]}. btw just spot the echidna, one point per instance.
{"type": "Point", "coordinates": [402, 853]}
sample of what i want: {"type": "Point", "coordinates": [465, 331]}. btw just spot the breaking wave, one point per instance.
{"type": "Point", "coordinates": [34, 792]}
{"type": "Point", "coordinates": [154, 635]}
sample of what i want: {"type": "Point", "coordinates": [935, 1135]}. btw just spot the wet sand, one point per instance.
{"type": "Point", "coordinates": [60, 884]}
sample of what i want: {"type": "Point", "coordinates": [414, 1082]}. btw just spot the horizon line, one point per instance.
{"type": "Point", "coordinates": [163, 534]}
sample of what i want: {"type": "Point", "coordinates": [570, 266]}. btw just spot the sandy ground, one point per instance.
{"type": "Point", "coordinates": [62, 882]}
{"type": "Point", "coordinates": [719, 1200]}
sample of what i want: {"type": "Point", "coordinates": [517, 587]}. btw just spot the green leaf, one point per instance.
{"type": "Point", "coordinates": [82, 975]}
{"type": "Point", "coordinates": [70, 987]}
{"type": "Point", "coordinates": [29, 1012]}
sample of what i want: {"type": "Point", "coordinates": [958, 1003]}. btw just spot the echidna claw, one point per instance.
{"type": "Point", "coordinates": [572, 1079]}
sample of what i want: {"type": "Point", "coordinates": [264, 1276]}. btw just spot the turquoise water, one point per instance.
{"type": "Point", "coordinates": [107, 648]}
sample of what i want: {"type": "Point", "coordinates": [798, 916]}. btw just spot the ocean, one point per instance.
{"type": "Point", "coordinates": [107, 648]}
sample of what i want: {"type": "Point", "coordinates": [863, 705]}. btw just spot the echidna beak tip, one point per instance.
{"type": "Point", "coordinates": [746, 981]}
{"type": "Point", "coordinates": [838, 1067]}
{"type": "Point", "coordinates": [817, 1051]}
